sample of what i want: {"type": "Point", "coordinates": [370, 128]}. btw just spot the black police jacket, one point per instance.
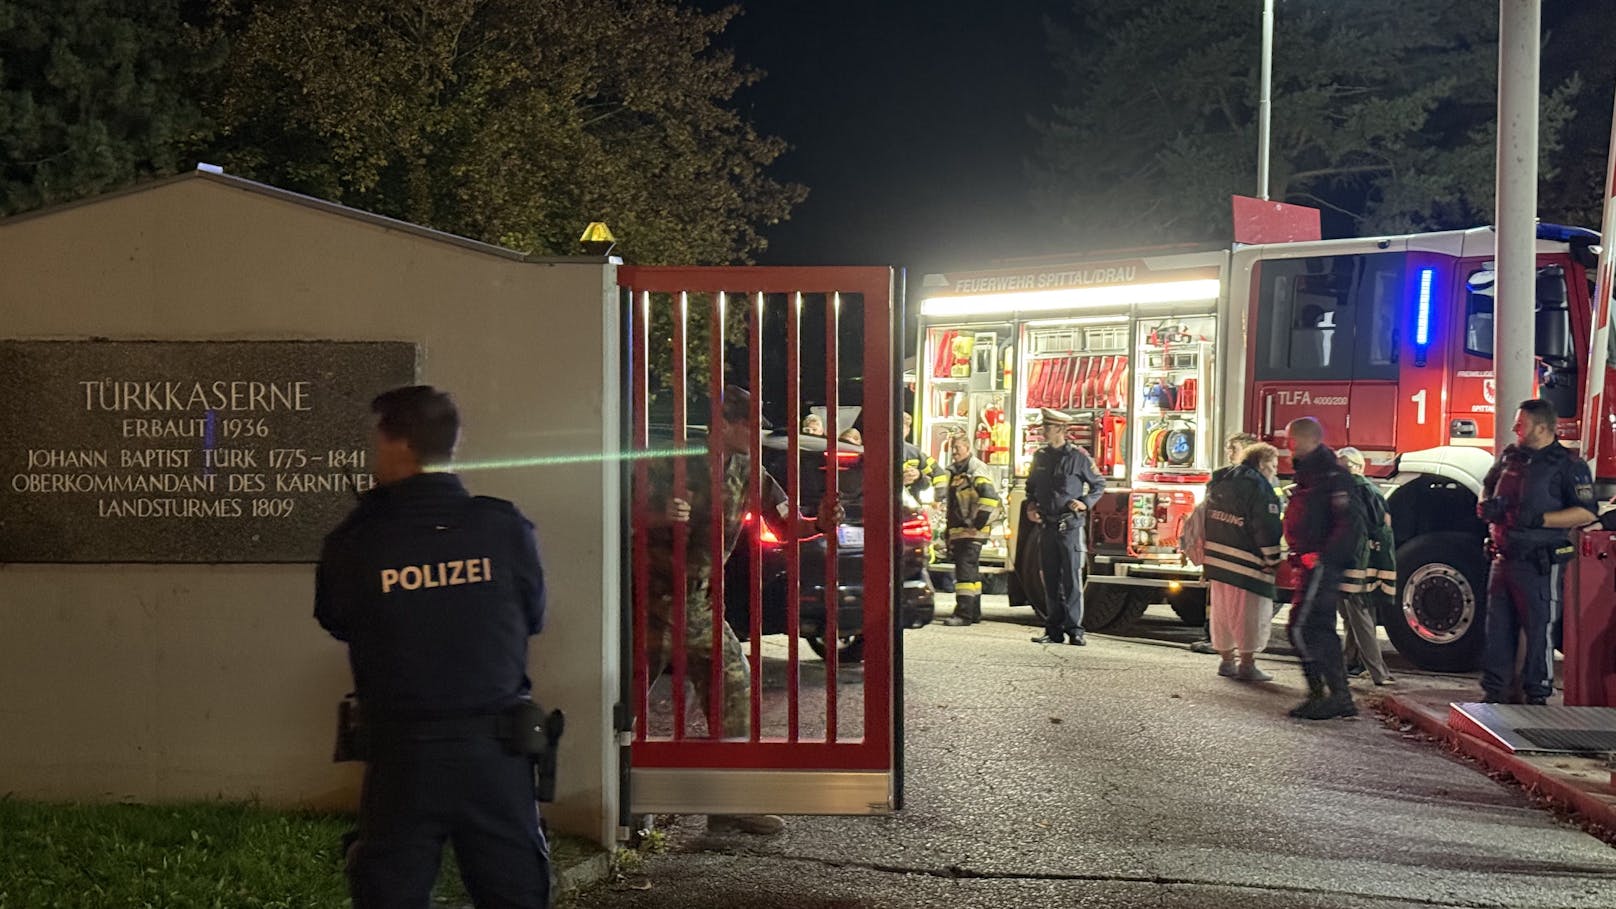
{"type": "Point", "coordinates": [1323, 516]}
{"type": "Point", "coordinates": [435, 592]}
{"type": "Point", "coordinates": [1060, 476]}
{"type": "Point", "coordinates": [1529, 483]}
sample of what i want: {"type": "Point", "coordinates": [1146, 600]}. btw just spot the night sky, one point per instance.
{"type": "Point", "coordinates": [908, 121]}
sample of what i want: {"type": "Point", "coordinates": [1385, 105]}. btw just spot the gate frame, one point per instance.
{"type": "Point", "coordinates": [785, 777]}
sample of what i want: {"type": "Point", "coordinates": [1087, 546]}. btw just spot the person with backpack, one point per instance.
{"type": "Point", "coordinates": [1239, 549]}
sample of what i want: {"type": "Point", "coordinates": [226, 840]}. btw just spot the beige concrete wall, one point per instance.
{"type": "Point", "coordinates": [172, 682]}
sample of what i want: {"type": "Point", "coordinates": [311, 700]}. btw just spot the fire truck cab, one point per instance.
{"type": "Point", "coordinates": [1387, 341]}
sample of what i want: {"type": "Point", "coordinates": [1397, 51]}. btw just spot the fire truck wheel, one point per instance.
{"type": "Point", "coordinates": [1436, 621]}
{"type": "Point", "coordinates": [849, 650]}
{"type": "Point", "coordinates": [1190, 604]}
{"type": "Point", "coordinates": [1113, 607]}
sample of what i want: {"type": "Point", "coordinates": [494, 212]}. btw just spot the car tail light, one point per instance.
{"type": "Point", "coordinates": [769, 537]}
{"type": "Point", "coordinates": [916, 529]}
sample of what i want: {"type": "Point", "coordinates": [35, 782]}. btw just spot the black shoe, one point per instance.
{"type": "Point", "coordinates": [1356, 670]}
{"type": "Point", "coordinates": [1049, 639]}
{"type": "Point", "coordinates": [956, 621]}
{"type": "Point", "coordinates": [1202, 647]}
{"type": "Point", "coordinates": [1078, 640]}
{"type": "Point", "coordinates": [1327, 709]}
{"type": "Point", "coordinates": [1537, 702]}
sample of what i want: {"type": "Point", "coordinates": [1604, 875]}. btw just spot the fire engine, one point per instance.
{"type": "Point", "coordinates": [1385, 340]}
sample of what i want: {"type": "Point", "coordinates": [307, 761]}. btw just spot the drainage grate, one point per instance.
{"type": "Point", "coordinates": [1570, 739]}
{"type": "Point", "coordinates": [1528, 729]}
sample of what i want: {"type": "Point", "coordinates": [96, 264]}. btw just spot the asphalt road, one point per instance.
{"type": "Point", "coordinates": [1126, 773]}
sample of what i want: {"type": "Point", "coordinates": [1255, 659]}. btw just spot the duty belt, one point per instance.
{"type": "Point", "coordinates": [491, 725]}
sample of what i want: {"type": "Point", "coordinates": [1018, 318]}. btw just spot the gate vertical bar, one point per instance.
{"type": "Point", "coordinates": [717, 463]}
{"type": "Point", "coordinates": [679, 583]}
{"type": "Point", "coordinates": [888, 326]}
{"type": "Point", "coordinates": [833, 494]}
{"type": "Point", "coordinates": [793, 492]}
{"type": "Point", "coordinates": [640, 440]}
{"type": "Point", "coordinates": [754, 499]}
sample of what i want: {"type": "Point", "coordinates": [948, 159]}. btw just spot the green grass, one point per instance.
{"type": "Point", "coordinates": [207, 856]}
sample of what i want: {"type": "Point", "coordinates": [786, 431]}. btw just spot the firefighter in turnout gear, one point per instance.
{"type": "Point", "coordinates": [972, 501]}
{"type": "Point", "coordinates": [1533, 496]}
{"type": "Point", "coordinates": [1373, 578]}
{"type": "Point", "coordinates": [1062, 486]}
{"type": "Point", "coordinates": [921, 475]}
{"type": "Point", "coordinates": [1325, 530]}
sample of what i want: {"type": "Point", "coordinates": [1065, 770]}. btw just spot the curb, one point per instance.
{"type": "Point", "coordinates": [1587, 805]}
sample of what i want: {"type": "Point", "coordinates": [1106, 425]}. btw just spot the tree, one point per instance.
{"type": "Point", "coordinates": [511, 121]}
{"type": "Point", "coordinates": [1383, 116]}
{"type": "Point", "coordinates": [93, 95]}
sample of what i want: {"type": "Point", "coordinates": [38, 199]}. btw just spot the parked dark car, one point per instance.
{"type": "Point", "coordinates": [916, 605]}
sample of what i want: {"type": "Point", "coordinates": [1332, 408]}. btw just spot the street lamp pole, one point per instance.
{"type": "Point", "coordinates": [1515, 289]}
{"type": "Point", "coordinates": [1264, 100]}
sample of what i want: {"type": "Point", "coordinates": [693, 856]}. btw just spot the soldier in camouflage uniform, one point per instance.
{"type": "Point", "coordinates": [730, 439]}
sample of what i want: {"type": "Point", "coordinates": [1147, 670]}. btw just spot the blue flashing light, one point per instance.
{"type": "Point", "coordinates": [1422, 324]}
{"type": "Point", "coordinates": [1560, 233]}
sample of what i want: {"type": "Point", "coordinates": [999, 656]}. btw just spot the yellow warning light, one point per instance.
{"type": "Point", "coordinates": [597, 232]}
{"type": "Point", "coordinates": [1174, 587]}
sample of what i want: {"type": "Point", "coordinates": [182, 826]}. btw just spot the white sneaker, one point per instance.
{"type": "Point", "coordinates": [1248, 672]}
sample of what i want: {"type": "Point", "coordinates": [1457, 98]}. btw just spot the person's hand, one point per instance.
{"type": "Point", "coordinates": [1034, 516]}
{"type": "Point", "coordinates": [910, 476]}
{"type": "Point", "coordinates": [1078, 506]}
{"type": "Point", "coordinates": [830, 515]}
{"type": "Point", "coordinates": [678, 511]}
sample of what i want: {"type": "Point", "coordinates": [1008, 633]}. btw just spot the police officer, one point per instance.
{"type": "Point", "coordinates": [1325, 529]}
{"type": "Point", "coordinates": [1536, 492]}
{"type": "Point", "coordinates": [972, 500]}
{"type": "Point", "coordinates": [1062, 487]}
{"type": "Point", "coordinates": [436, 592]}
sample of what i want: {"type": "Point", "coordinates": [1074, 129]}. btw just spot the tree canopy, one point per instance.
{"type": "Point", "coordinates": [1383, 116]}
{"type": "Point", "coordinates": [513, 121]}
{"type": "Point", "coordinates": [93, 95]}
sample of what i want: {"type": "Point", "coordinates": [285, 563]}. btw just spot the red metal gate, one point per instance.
{"type": "Point", "coordinates": [806, 744]}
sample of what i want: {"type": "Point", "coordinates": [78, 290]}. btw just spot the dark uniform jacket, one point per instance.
{"type": "Point", "coordinates": [1533, 483]}
{"type": "Point", "coordinates": [1243, 529]}
{"type": "Point", "coordinates": [972, 499]}
{"type": "Point", "coordinates": [1322, 516]}
{"type": "Point", "coordinates": [1059, 477]}
{"type": "Point", "coordinates": [435, 592]}
{"type": "Point", "coordinates": [932, 476]}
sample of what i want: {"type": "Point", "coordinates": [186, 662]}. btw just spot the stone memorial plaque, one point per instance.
{"type": "Point", "coordinates": [185, 451]}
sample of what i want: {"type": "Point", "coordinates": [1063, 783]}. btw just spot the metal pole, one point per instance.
{"type": "Point", "coordinates": [1264, 102]}
{"type": "Point", "coordinates": [1594, 417]}
{"type": "Point", "coordinates": [1516, 216]}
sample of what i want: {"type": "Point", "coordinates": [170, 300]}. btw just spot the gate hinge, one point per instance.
{"type": "Point", "coordinates": [622, 718]}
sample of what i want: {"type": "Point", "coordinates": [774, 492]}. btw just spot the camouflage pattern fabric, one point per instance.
{"type": "Point", "coordinates": [699, 628]}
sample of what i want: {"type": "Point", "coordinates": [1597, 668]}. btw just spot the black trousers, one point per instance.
{"type": "Point", "coordinates": [967, 557]}
{"type": "Point", "coordinates": [468, 792]}
{"type": "Point", "coordinates": [1061, 556]}
{"type": "Point", "coordinates": [1316, 603]}
{"type": "Point", "coordinates": [1520, 598]}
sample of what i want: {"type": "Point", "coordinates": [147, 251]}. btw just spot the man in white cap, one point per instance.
{"type": "Point", "coordinates": [1371, 580]}
{"type": "Point", "coordinates": [1062, 486]}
